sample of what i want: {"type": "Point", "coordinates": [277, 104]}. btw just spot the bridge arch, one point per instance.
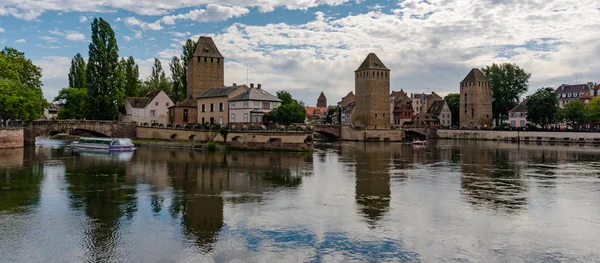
{"type": "Point", "coordinates": [409, 135]}
{"type": "Point", "coordinates": [87, 133]}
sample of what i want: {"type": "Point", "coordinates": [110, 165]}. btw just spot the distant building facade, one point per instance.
{"type": "Point", "coordinates": [517, 117]}
{"type": "Point", "coordinates": [153, 108]}
{"type": "Point", "coordinates": [250, 106]}
{"type": "Point", "coordinates": [205, 68]}
{"type": "Point", "coordinates": [372, 87]}
{"type": "Point", "coordinates": [422, 102]}
{"type": "Point", "coordinates": [439, 110]}
{"type": "Point", "coordinates": [50, 112]}
{"type": "Point", "coordinates": [347, 114]}
{"type": "Point", "coordinates": [184, 112]}
{"type": "Point", "coordinates": [322, 101]}
{"type": "Point", "coordinates": [475, 100]}
{"type": "Point", "coordinates": [401, 108]}
{"type": "Point", "coordinates": [566, 93]}
{"type": "Point", "coordinates": [213, 104]}
{"type": "Point", "coordinates": [340, 116]}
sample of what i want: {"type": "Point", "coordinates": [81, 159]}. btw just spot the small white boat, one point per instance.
{"type": "Point", "coordinates": [104, 144]}
{"type": "Point", "coordinates": [419, 142]}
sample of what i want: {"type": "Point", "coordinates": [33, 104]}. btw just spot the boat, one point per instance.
{"type": "Point", "coordinates": [104, 144]}
{"type": "Point", "coordinates": [419, 142]}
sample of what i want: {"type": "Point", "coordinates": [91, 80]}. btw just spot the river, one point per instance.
{"type": "Point", "coordinates": [462, 201]}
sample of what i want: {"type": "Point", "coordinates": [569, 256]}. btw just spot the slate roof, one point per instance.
{"type": "Point", "coordinates": [220, 92]}
{"type": "Point", "coordinates": [372, 62]}
{"type": "Point", "coordinates": [255, 94]}
{"type": "Point", "coordinates": [475, 75]}
{"type": "Point", "coordinates": [142, 102]}
{"type": "Point", "coordinates": [187, 103]}
{"type": "Point", "coordinates": [521, 107]}
{"type": "Point", "coordinates": [205, 47]}
{"type": "Point", "coordinates": [564, 88]}
{"type": "Point", "coordinates": [437, 107]}
{"type": "Point", "coordinates": [322, 96]}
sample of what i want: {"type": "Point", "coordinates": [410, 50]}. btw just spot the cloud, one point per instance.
{"type": "Point", "coordinates": [211, 13]}
{"type": "Point", "coordinates": [127, 38]}
{"type": "Point", "coordinates": [50, 39]}
{"type": "Point", "coordinates": [22, 40]}
{"type": "Point", "coordinates": [82, 19]}
{"type": "Point", "coordinates": [68, 34]}
{"type": "Point", "coordinates": [2, 30]}
{"type": "Point", "coordinates": [132, 21]}
{"type": "Point", "coordinates": [138, 34]}
{"type": "Point", "coordinates": [180, 34]}
{"type": "Point", "coordinates": [55, 70]}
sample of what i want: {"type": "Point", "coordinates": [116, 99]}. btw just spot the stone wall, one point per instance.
{"type": "Point", "coordinates": [107, 128]}
{"type": "Point", "coordinates": [543, 136]}
{"type": "Point", "coordinates": [175, 134]}
{"type": "Point", "coordinates": [11, 138]}
{"type": "Point", "coordinates": [372, 110]}
{"type": "Point", "coordinates": [349, 134]}
{"type": "Point", "coordinates": [204, 73]}
{"type": "Point", "coordinates": [475, 104]}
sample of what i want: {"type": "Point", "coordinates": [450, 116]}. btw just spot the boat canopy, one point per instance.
{"type": "Point", "coordinates": [106, 141]}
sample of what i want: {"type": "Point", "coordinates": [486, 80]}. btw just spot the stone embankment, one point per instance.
{"type": "Point", "coordinates": [525, 136]}
{"type": "Point", "coordinates": [11, 138]}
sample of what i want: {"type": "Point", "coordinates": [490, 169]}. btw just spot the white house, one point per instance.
{"type": "Point", "coordinates": [250, 106]}
{"type": "Point", "coordinates": [150, 109]}
{"type": "Point", "coordinates": [517, 117]}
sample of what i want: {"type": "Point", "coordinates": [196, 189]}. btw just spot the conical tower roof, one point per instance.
{"type": "Point", "coordinates": [322, 96]}
{"type": "Point", "coordinates": [475, 75]}
{"type": "Point", "coordinates": [372, 62]}
{"type": "Point", "coordinates": [205, 47]}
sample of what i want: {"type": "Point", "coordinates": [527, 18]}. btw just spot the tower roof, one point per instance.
{"type": "Point", "coordinates": [322, 96]}
{"type": "Point", "coordinates": [205, 47]}
{"type": "Point", "coordinates": [372, 62]}
{"type": "Point", "coordinates": [475, 75]}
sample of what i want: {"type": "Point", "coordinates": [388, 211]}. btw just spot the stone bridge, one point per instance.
{"type": "Point", "coordinates": [89, 128]}
{"type": "Point", "coordinates": [331, 131]}
{"type": "Point", "coordinates": [417, 132]}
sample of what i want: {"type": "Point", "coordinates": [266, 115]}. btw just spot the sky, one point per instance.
{"type": "Point", "coordinates": [309, 46]}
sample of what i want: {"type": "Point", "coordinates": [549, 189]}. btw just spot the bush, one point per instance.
{"type": "Point", "coordinates": [211, 146]}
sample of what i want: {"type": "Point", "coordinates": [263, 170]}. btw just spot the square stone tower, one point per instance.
{"type": "Point", "coordinates": [205, 68]}
{"type": "Point", "coordinates": [372, 88]}
{"type": "Point", "coordinates": [322, 101]}
{"type": "Point", "coordinates": [475, 100]}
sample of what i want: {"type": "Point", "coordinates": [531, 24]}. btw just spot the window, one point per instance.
{"type": "Point", "coordinates": [167, 104]}
{"type": "Point", "coordinates": [203, 120]}
{"type": "Point", "coordinates": [568, 95]}
{"type": "Point", "coordinates": [245, 117]}
{"type": "Point", "coordinates": [266, 105]}
{"type": "Point", "coordinates": [245, 104]}
{"type": "Point", "coordinates": [592, 92]}
{"type": "Point", "coordinates": [558, 96]}
{"type": "Point", "coordinates": [185, 115]}
{"type": "Point", "coordinates": [211, 60]}
{"type": "Point", "coordinates": [233, 105]}
{"type": "Point", "coordinates": [204, 59]}
{"type": "Point", "coordinates": [156, 103]}
{"type": "Point", "coordinates": [203, 108]}
{"type": "Point", "coordinates": [256, 104]}
{"type": "Point", "coordinates": [221, 106]}
{"type": "Point", "coordinates": [212, 107]}
{"type": "Point", "coordinates": [375, 114]}
{"type": "Point", "coordinates": [232, 117]}
{"type": "Point", "coordinates": [218, 60]}
{"type": "Point", "coordinates": [522, 123]}
{"type": "Point", "coordinates": [153, 113]}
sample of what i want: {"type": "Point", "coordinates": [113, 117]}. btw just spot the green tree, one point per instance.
{"type": "Point", "coordinates": [104, 83]}
{"type": "Point", "coordinates": [592, 110]}
{"type": "Point", "coordinates": [542, 107]}
{"type": "Point", "coordinates": [15, 66]}
{"type": "Point", "coordinates": [71, 102]}
{"type": "Point", "coordinates": [188, 51]}
{"type": "Point", "coordinates": [77, 72]}
{"type": "Point", "coordinates": [131, 76]}
{"type": "Point", "coordinates": [286, 97]}
{"type": "Point", "coordinates": [158, 79]}
{"type": "Point", "coordinates": [178, 92]}
{"type": "Point", "coordinates": [509, 82]}
{"type": "Point", "coordinates": [329, 114]}
{"type": "Point", "coordinates": [453, 100]}
{"type": "Point", "coordinates": [19, 102]}
{"type": "Point", "coordinates": [290, 110]}
{"type": "Point", "coordinates": [574, 111]}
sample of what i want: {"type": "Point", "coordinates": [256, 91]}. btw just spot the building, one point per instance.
{"type": "Point", "coordinates": [315, 113]}
{"type": "Point", "coordinates": [475, 100]}
{"type": "Point", "coordinates": [347, 114]}
{"type": "Point", "coordinates": [342, 105]}
{"type": "Point", "coordinates": [439, 110]}
{"type": "Point", "coordinates": [401, 108]}
{"type": "Point", "coordinates": [517, 117]}
{"type": "Point", "coordinates": [322, 101]}
{"type": "Point", "coordinates": [205, 68]}
{"type": "Point", "coordinates": [184, 112]}
{"type": "Point", "coordinates": [50, 112]}
{"type": "Point", "coordinates": [566, 93]}
{"type": "Point", "coordinates": [422, 102]}
{"type": "Point", "coordinates": [250, 106]}
{"type": "Point", "coordinates": [213, 104]}
{"type": "Point", "coordinates": [154, 108]}
{"type": "Point", "coordinates": [372, 87]}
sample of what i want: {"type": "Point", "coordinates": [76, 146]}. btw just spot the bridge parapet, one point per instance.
{"type": "Point", "coordinates": [108, 128]}
{"type": "Point", "coordinates": [329, 130]}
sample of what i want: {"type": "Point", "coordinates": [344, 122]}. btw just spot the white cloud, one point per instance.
{"type": "Point", "coordinates": [211, 13]}
{"type": "Point", "coordinates": [132, 21]}
{"type": "Point", "coordinates": [138, 34]}
{"type": "Point", "coordinates": [22, 40]}
{"type": "Point", "coordinates": [82, 19]}
{"type": "Point", "coordinates": [2, 30]}
{"type": "Point", "coordinates": [127, 38]}
{"type": "Point", "coordinates": [50, 39]}
{"type": "Point", "coordinates": [55, 70]}
{"type": "Point", "coordinates": [68, 34]}
{"type": "Point", "coordinates": [180, 34]}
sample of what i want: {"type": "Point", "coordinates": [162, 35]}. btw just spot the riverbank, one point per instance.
{"type": "Point", "coordinates": [520, 136]}
{"type": "Point", "coordinates": [11, 138]}
{"type": "Point", "coordinates": [220, 146]}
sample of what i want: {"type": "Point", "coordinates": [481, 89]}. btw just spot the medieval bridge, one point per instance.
{"type": "Point", "coordinates": [335, 131]}
{"type": "Point", "coordinates": [75, 127]}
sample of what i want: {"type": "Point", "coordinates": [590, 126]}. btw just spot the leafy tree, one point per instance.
{"type": "Point", "coordinates": [18, 101]}
{"type": "Point", "coordinates": [592, 110]}
{"type": "Point", "coordinates": [329, 114]}
{"type": "Point", "coordinates": [104, 83]}
{"type": "Point", "coordinates": [453, 100]}
{"type": "Point", "coordinates": [77, 72]}
{"type": "Point", "coordinates": [15, 66]}
{"type": "Point", "coordinates": [509, 82]}
{"type": "Point", "coordinates": [158, 79]}
{"type": "Point", "coordinates": [286, 97]}
{"type": "Point", "coordinates": [574, 112]}
{"type": "Point", "coordinates": [290, 110]}
{"type": "Point", "coordinates": [188, 51]}
{"type": "Point", "coordinates": [542, 107]}
{"type": "Point", "coordinates": [178, 92]}
{"type": "Point", "coordinates": [71, 102]}
{"type": "Point", "coordinates": [131, 76]}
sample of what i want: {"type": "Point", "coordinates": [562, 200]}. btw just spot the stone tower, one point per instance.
{"type": "Point", "coordinates": [372, 88]}
{"type": "Point", "coordinates": [475, 100]}
{"type": "Point", "coordinates": [322, 101]}
{"type": "Point", "coordinates": [205, 68]}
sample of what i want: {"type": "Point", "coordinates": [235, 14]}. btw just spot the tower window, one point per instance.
{"type": "Point", "coordinates": [218, 60]}
{"type": "Point", "coordinates": [198, 59]}
{"type": "Point", "coordinates": [375, 114]}
{"type": "Point", "coordinates": [204, 59]}
{"type": "Point", "coordinates": [211, 60]}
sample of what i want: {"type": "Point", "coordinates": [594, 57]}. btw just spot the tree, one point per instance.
{"type": "Point", "coordinates": [188, 51]}
{"type": "Point", "coordinates": [574, 112]}
{"type": "Point", "coordinates": [509, 82]}
{"type": "Point", "coordinates": [453, 100]}
{"type": "Point", "coordinates": [158, 80]}
{"type": "Point", "coordinates": [285, 97]}
{"type": "Point", "coordinates": [542, 107]}
{"type": "Point", "coordinates": [290, 110]}
{"type": "Point", "coordinates": [77, 72]}
{"type": "Point", "coordinates": [72, 103]}
{"type": "Point", "coordinates": [592, 110]}
{"type": "Point", "coordinates": [329, 114]}
{"type": "Point", "coordinates": [15, 66]}
{"type": "Point", "coordinates": [178, 92]}
{"type": "Point", "coordinates": [131, 76]}
{"type": "Point", "coordinates": [104, 84]}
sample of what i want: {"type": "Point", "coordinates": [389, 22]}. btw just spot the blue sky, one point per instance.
{"type": "Point", "coordinates": [309, 46]}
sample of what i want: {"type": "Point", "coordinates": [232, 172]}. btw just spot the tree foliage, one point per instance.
{"type": "Point", "coordinates": [286, 98]}
{"type": "Point", "coordinates": [188, 51]}
{"type": "Point", "coordinates": [178, 91]}
{"type": "Point", "coordinates": [453, 100]}
{"type": "Point", "coordinates": [72, 103]}
{"type": "Point", "coordinates": [509, 82]}
{"type": "Point", "coordinates": [592, 110]}
{"type": "Point", "coordinates": [131, 75]}
{"type": "Point", "coordinates": [158, 80]}
{"type": "Point", "coordinates": [20, 87]}
{"type": "Point", "coordinates": [574, 111]}
{"type": "Point", "coordinates": [104, 83]}
{"type": "Point", "coordinates": [77, 72]}
{"type": "Point", "coordinates": [290, 110]}
{"type": "Point", "coordinates": [542, 107]}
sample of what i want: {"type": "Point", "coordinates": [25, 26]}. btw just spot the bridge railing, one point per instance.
{"type": "Point", "coordinates": [232, 128]}
{"type": "Point", "coordinates": [93, 122]}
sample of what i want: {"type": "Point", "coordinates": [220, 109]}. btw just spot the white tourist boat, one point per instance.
{"type": "Point", "coordinates": [419, 142]}
{"type": "Point", "coordinates": [104, 144]}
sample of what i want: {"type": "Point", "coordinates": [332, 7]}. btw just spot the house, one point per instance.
{"type": "Point", "coordinates": [348, 114]}
{"type": "Point", "coordinates": [439, 110]}
{"type": "Point", "coordinates": [343, 110]}
{"type": "Point", "coordinates": [402, 113]}
{"type": "Point", "coordinates": [51, 112]}
{"type": "Point", "coordinates": [396, 97]}
{"type": "Point", "coordinates": [517, 117]}
{"type": "Point", "coordinates": [422, 102]}
{"type": "Point", "coordinates": [213, 104]}
{"type": "Point", "coordinates": [250, 106]}
{"type": "Point", "coordinates": [566, 93]}
{"type": "Point", "coordinates": [184, 112]}
{"type": "Point", "coordinates": [315, 113]}
{"type": "Point", "coordinates": [150, 109]}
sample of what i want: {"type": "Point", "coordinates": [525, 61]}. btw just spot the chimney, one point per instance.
{"type": "Point", "coordinates": [234, 84]}
{"type": "Point", "coordinates": [259, 86]}
{"type": "Point", "coordinates": [251, 85]}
